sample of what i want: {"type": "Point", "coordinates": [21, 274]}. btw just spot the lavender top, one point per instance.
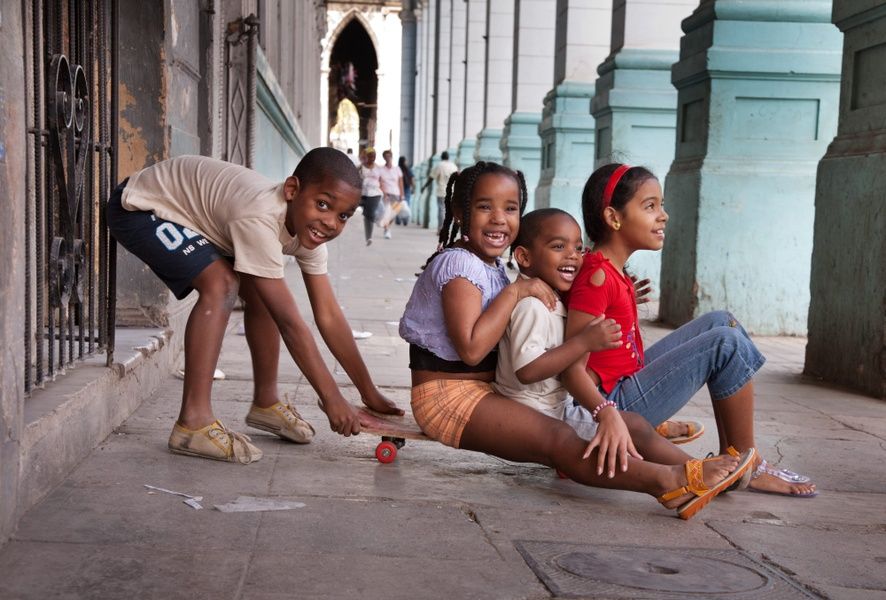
{"type": "Point", "coordinates": [423, 323]}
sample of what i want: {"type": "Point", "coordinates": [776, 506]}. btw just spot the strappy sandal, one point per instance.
{"type": "Point", "coordinates": [696, 485]}
{"type": "Point", "coordinates": [745, 479]}
{"type": "Point", "coordinates": [695, 428]}
{"type": "Point", "coordinates": [784, 475]}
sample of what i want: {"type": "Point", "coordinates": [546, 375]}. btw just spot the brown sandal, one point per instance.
{"type": "Point", "coordinates": [695, 429]}
{"type": "Point", "coordinates": [696, 485]}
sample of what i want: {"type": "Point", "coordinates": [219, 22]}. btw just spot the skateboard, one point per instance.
{"type": "Point", "coordinates": [394, 431]}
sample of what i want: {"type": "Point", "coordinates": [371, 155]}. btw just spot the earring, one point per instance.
{"type": "Point", "coordinates": [616, 226]}
{"type": "Point", "coordinates": [464, 238]}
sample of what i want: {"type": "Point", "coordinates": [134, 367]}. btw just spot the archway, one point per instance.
{"type": "Point", "coordinates": [352, 76]}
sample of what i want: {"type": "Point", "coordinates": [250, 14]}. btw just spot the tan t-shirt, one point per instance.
{"type": "Point", "coordinates": [532, 331]}
{"type": "Point", "coordinates": [240, 211]}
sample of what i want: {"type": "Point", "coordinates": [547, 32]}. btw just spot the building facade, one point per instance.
{"type": "Point", "coordinates": [89, 93]}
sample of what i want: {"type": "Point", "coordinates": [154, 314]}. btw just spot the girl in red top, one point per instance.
{"type": "Point", "coordinates": [624, 212]}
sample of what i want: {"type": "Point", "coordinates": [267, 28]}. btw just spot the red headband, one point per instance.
{"type": "Point", "coordinates": [613, 181]}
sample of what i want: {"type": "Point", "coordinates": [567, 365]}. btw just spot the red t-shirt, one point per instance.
{"type": "Point", "coordinates": [616, 299]}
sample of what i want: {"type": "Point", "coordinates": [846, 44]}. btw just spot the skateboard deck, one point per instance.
{"type": "Point", "coordinates": [394, 431]}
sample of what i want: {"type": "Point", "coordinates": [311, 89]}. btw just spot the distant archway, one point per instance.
{"type": "Point", "coordinates": [345, 133]}
{"type": "Point", "coordinates": [353, 63]}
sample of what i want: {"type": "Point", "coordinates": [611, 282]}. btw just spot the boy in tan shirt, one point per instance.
{"type": "Point", "coordinates": [223, 229]}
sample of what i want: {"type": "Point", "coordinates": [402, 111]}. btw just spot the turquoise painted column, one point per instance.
{"type": "Point", "coordinates": [533, 39]}
{"type": "Point", "coordinates": [757, 89]}
{"type": "Point", "coordinates": [635, 105]}
{"type": "Point", "coordinates": [567, 127]}
{"type": "Point", "coordinates": [475, 77]}
{"type": "Point", "coordinates": [847, 329]}
{"type": "Point", "coordinates": [457, 52]}
{"type": "Point", "coordinates": [499, 70]}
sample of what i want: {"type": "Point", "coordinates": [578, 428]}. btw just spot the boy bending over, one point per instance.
{"type": "Point", "coordinates": [223, 229]}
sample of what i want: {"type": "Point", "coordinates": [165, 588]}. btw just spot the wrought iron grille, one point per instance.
{"type": "Point", "coordinates": [70, 258]}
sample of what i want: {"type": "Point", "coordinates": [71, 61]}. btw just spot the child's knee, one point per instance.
{"type": "Point", "coordinates": [223, 287]}
{"type": "Point", "coordinates": [721, 318]}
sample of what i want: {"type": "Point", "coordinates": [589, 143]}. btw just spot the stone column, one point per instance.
{"type": "Point", "coordinates": [847, 329]}
{"type": "Point", "coordinates": [534, 24]}
{"type": "Point", "coordinates": [475, 77]}
{"type": "Point", "coordinates": [567, 127]}
{"type": "Point", "coordinates": [635, 105]}
{"type": "Point", "coordinates": [499, 70]}
{"type": "Point", "coordinates": [14, 147]}
{"type": "Point", "coordinates": [757, 89]}
{"type": "Point", "coordinates": [441, 95]}
{"type": "Point", "coordinates": [408, 78]}
{"type": "Point", "coordinates": [457, 52]}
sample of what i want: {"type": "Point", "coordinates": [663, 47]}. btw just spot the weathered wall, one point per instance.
{"type": "Point", "coordinates": [12, 193]}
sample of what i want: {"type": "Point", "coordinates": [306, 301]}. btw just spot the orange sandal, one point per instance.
{"type": "Point", "coordinates": [695, 429]}
{"type": "Point", "coordinates": [745, 480]}
{"type": "Point", "coordinates": [696, 485]}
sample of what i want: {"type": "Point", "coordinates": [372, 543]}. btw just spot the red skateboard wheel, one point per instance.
{"type": "Point", "coordinates": [386, 452]}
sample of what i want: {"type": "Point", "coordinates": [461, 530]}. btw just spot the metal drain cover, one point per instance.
{"type": "Point", "coordinates": [578, 571]}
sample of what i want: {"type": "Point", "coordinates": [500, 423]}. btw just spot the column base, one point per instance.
{"type": "Point", "coordinates": [465, 156]}
{"type": "Point", "coordinates": [487, 148]}
{"type": "Point", "coordinates": [567, 138]}
{"type": "Point", "coordinates": [521, 149]}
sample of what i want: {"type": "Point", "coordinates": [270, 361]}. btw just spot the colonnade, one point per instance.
{"type": "Point", "coordinates": [732, 103]}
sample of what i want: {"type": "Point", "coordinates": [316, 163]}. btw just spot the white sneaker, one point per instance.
{"type": "Point", "coordinates": [387, 234]}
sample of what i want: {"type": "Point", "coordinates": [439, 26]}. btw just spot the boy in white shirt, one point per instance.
{"type": "Point", "coordinates": [224, 230]}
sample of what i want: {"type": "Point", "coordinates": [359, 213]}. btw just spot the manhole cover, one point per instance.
{"type": "Point", "coordinates": [574, 571]}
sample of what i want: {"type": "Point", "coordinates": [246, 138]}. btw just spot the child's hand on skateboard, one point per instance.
{"type": "Point", "coordinates": [378, 402]}
{"type": "Point", "coordinates": [601, 334]}
{"type": "Point", "coordinates": [342, 416]}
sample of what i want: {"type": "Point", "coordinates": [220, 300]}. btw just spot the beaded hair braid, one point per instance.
{"type": "Point", "coordinates": [459, 190]}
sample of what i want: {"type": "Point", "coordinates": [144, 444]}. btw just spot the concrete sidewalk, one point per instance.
{"type": "Point", "coordinates": [441, 523]}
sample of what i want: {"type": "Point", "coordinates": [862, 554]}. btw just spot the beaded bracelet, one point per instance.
{"type": "Point", "coordinates": [600, 407]}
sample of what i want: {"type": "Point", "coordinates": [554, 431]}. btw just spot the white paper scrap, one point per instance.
{"type": "Point", "coordinates": [192, 502]}
{"type": "Point", "coordinates": [253, 504]}
{"type": "Point", "coordinates": [174, 493]}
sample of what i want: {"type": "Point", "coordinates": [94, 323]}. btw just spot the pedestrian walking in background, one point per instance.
{"type": "Point", "coordinates": [440, 176]}
{"type": "Point", "coordinates": [402, 217]}
{"type": "Point", "coordinates": [370, 193]}
{"type": "Point", "coordinates": [391, 180]}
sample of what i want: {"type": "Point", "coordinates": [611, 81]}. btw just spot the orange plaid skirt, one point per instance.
{"type": "Point", "coordinates": [443, 407]}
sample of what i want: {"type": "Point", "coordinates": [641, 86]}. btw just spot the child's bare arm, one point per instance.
{"type": "Point", "coordinates": [598, 334]}
{"type": "Point", "coordinates": [300, 342]}
{"type": "Point", "coordinates": [337, 334]}
{"type": "Point", "coordinates": [475, 332]}
{"type": "Point", "coordinates": [613, 440]}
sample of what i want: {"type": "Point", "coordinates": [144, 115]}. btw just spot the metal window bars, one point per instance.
{"type": "Point", "coordinates": [70, 258]}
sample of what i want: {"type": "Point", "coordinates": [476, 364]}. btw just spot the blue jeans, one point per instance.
{"type": "Point", "coordinates": [714, 349]}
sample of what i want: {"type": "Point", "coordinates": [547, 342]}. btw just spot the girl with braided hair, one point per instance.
{"type": "Point", "coordinates": [455, 317]}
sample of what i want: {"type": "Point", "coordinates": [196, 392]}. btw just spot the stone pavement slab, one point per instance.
{"type": "Point", "coordinates": [438, 522]}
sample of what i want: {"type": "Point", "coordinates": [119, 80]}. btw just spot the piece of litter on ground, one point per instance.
{"type": "Point", "coordinates": [192, 502]}
{"type": "Point", "coordinates": [392, 322]}
{"type": "Point", "coordinates": [253, 504]}
{"type": "Point", "coordinates": [405, 279]}
{"type": "Point", "coordinates": [174, 493]}
{"type": "Point", "coordinates": [361, 335]}
{"type": "Point", "coordinates": [218, 375]}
